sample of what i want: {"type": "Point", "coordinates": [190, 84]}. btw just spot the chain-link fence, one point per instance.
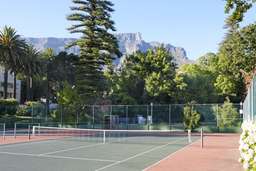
{"type": "Point", "coordinates": [249, 105]}
{"type": "Point", "coordinates": [213, 117]}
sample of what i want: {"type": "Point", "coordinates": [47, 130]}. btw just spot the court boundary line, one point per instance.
{"type": "Point", "coordinates": [26, 143]}
{"type": "Point", "coordinates": [169, 156]}
{"type": "Point", "coordinates": [58, 157]}
{"type": "Point", "coordinates": [137, 155]}
{"type": "Point", "coordinates": [70, 149]}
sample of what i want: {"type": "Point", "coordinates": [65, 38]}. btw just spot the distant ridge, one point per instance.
{"type": "Point", "coordinates": [128, 43]}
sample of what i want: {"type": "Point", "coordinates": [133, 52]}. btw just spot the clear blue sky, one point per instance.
{"type": "Point", "coordinates": [196, 25]}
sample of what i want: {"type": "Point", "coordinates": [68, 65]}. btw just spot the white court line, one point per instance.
{"type": "Point", "coordinates": [70, 149]}
{"type": "Point", "coordinates": [25, 143]}
{"type": "Point", "coordinates": [77, 158]}
{"type": "Point", "coordinates": [169, 156]}
{"type": "Point", "coordinates": [137, 155]}
{"type": "Point", "coordinates": [58, 157]}
{"type": "Point", "coordinates": [18, 154]}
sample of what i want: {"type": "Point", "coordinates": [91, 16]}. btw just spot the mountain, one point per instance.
{"type": "Point", "coordinates": [128, 43]}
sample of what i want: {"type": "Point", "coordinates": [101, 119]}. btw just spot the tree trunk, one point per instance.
{"type": "Point", "coordinates": [14, 85]}
{"type": "Point", "coordinates": [5, 83]}
{"type": "Point", "coordinates": [47, 98]}
{"type": "Point", "coordinates": [28, 89]}
{"type": "Point", "coordinates": [31, 88]}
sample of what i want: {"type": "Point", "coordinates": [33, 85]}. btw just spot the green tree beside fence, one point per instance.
{"type": "Point", "coordinates": [191, 118]}
{"type": "Point", "coordinates": [227, 115]}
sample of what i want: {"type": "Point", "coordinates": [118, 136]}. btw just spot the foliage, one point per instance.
{"type": "Point", "coordinates": [67, 96]}
{"type": "Point", "coordinates": [12, 54]}
{"type": "Point", "coordinates": [32, 68]}
{"type": "Point", "coordinates": [11, 102]}
{"type": "Point", "coordinates": [227, 115]}
{"type": "Point", "coordinates": [31, 108]}
{"type": "Point", "coordinates": [247, 146]}
{"type": "Point", "coordinates": [8, 106]}
{"type": "Point", "coordinates": [237, 8]}
{"type": "Point", "coordinates": [196, 81]}
{"type": "Point", "coordinates": [69, 103]}
{"type": "Point", "coordinates": [145, 77]}
{"type": "Point", "coordinates": [98, 47]}
{"type": "Point", "coordinates": [191, 118]}
{"type": "Point", "coordinates": [236, 59]}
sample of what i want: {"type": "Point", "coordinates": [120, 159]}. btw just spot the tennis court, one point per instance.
{"type": "Point", "coordinates": [79, 149]}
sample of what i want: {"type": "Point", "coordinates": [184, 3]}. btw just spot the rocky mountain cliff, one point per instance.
{"type": "Point", "coordinates": [128, 43]}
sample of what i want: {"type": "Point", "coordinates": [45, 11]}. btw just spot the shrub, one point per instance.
{"type": "Point", "coordinates": [227, 115]}
{"type": "Point", "coordinates": [191, 119]}
{"type": "Point", "coordinates": [247, 146]}
{"type": "Point", "coordinates": [8, 106]}
{"type": "Point", "coordinates": [31, 107]}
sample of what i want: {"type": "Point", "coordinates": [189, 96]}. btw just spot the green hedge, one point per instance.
{"type": "Point", "coordinates": [8, 106]}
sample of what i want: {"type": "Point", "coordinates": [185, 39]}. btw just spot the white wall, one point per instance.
{"type": "Point", "coordinates": [10, 85]}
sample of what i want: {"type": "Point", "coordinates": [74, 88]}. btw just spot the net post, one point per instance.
{"type": "Point", "coordinates": [104, 136]}
{"type": "Point", "coordinates": [189, 136]}
{"type": "Point", "coordinates": [15, 129]}
{"type": "Point", "coordinates": [33, 130]}
{"type": "Point", "coordinates": [202, 138]}
{"type": "Point", "coordinates": [4, 131]}
{"type": "Point", "coordinates": [29, 132]}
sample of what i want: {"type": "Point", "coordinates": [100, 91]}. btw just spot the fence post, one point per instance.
{"type": "Point", "coordinates": [110, 118]}
{"type": "Point", "coordinates": [4, 131]}
{"type": "Point", "coordinates": [202, 138]}
{"type": "Point", "coordinates": [77, 119]}
{"type": "Point", "coordinates": [217, 118]}
{"type": "Point", "coordinates": [15, 129]}
{"type": "Point", "coordinates": [170, 118]}
{"type": "Point", "coordinates": [151, 113]}
{"type": "Point", "coordinates": [127, 121]}
{"type": "Point", "coordinates": [93, 116]}
{"type": "Point", "coordinates": [32, 113]}
{"type": "Point", "coordinates": [61, 115]}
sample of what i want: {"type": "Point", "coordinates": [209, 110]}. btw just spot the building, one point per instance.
{"type": "Point", "coordinates": [10, 86]}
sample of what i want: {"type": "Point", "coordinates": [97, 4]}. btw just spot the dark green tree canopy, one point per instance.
{"type": "Point", "coordinates": [146, 77]}
{"type": "Point", "coordinates": [98, 46]}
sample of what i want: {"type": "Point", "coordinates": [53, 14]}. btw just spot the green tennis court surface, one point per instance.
{"type": "Point", "coordinates": [79, 155]}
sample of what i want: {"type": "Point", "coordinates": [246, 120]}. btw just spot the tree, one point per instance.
{"type": "Point", "coordinates": [191, 118]}
{"type": "Point", "coordinates": [227, 115]}
{"type": "Point", "coordinates": [146, 76]}
{"type": "Point", "coordinates": [195, 82]}
{"type": "Point", "coordinates": [236, 59]}
{"type": "Point", "coordinates": [125, 87]}
{"type": "Point", "coordinates": [98, 47]}
{"type": "Point", "coordinates": [48, 56]}
{"type": "Point", "coordinates": [12, 49]}
{"type": "Point", "coordinates": [237, 8]}
{"type": "Point", "coordinates": [32, 67]}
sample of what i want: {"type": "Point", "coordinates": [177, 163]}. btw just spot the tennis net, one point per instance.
{"type": "Point", "coordinates": [115, 136]}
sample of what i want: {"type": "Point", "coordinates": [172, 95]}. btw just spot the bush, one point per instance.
{"type": "Point", "coordinates": [31, 108]}
{"type": "Point", "coordinates": [191, 119]}
{"type": "Point", "coordinates": [228, 115]}
{"type": "Point", "coordinates": [247, 146]}
{"type": "Point", "coordinates": [8, 106]}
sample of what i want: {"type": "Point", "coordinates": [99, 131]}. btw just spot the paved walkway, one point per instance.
{"type": "Point", "coordinates": [220, 153]}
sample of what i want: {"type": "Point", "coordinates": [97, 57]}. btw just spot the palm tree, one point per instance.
{"type": "Point", "coordinates": [31, 67]}
{"type": "Point", "coordinates": [12, 50]}
{"type": "Point", "coordinates": [48, 55]}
